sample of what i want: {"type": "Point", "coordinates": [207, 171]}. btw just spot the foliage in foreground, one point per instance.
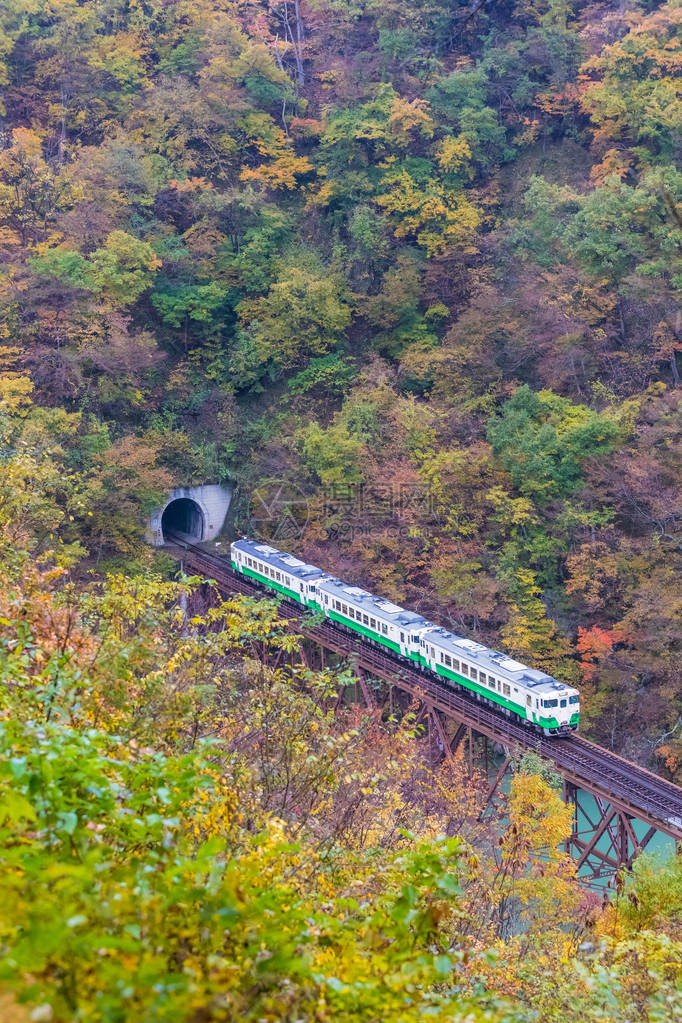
{"type": "Point", "coordinates": [189, 834]}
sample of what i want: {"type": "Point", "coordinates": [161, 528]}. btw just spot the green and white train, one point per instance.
{"type": "Point", "coordinates": [540, 701]}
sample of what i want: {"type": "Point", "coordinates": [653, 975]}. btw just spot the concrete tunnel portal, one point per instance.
{"type": "Point", "coordinates": [183, 516]}
{"type": "Point", "coordinates": [197, 512]}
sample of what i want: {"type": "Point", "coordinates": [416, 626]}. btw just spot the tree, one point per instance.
{"type": "Point", "coordinates": [303, 315]}
{"type": "Point", "coordinates": [544, 441]}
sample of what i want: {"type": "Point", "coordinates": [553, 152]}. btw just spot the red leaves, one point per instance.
{"type": "Point", "coordinates": [595, 645]}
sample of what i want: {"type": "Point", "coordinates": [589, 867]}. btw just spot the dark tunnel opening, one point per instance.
{"type": "Point", "coordinates": [183, 516]}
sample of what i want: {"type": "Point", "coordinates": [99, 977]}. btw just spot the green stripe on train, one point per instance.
{"type": "Point", "coordinates": [356, 627]}
{"type": "Point", "coordinates": [270, 583]}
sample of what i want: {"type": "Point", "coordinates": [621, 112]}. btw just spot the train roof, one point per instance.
{"type": "Point", "coordinates": [379, 606]}
{"type": "Point", "coordinates": [279, 559]}
{"type": "Point", "coordinates": [495, 661]}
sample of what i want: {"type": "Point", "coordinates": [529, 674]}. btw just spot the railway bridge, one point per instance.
{"type": "Point", "coordinates": [618, 806]}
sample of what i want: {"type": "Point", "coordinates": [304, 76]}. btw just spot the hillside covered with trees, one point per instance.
{"type": "Point", "coordinates": [406, 274]}
{"type": "Point", "coordinates": [420, 262]}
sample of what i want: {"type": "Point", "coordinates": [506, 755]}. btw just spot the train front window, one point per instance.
{"type": "Point", "coordinates": [551, 703]}
{"type": "Point", "coordinates": [574, 699]}
{"type": "Point", "coordinates": [563, 703]}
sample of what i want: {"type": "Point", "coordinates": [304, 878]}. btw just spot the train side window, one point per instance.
{"type": "Point", "coordinates": [455, 664]}
{"type": "Point", "coordinates": [465, 668]}
{"type": "Point", "coordinates": [365, 619]}
{"type": "Point", "coordinates": [474, 674]}
{"type": "Point", "coordinates": [506, 689]}
{"type": "Point", "coordinates": [433, 653]}
{"type": "Point", "coordinates": [574, 699]}
{"type": "Point", "coordinates": [529, 700]}
{"type": "Point", "coordinates": [373, 623]}
{"type": "Point", "coordinates": [279, 578]}
{"type": "Point", "coordinates": [448, 661]}
{"type": "Point", "coordinates": [402, 637]}
{"type": "Point", "coordinates": [482, 677]}
{"type": "Point", "coordinates": [344, 609]}
{"type": "Point", "coordinates": [384, 629]}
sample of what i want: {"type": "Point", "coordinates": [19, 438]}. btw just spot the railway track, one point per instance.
{"type": "Point", "coordinates": [628, 787]}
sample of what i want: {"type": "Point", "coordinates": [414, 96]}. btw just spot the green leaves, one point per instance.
{"type": "Point", "coordinates": [544, 441]}
{"type": "Point", "coordinates": [120, 271]}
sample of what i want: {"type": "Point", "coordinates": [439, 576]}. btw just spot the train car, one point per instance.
{"type": "Point", "coordinates": [524, 693]}
{"type": "Point", "coordinates": [278, 571]}
{"type": "Point", "coordinates": [375, 618]}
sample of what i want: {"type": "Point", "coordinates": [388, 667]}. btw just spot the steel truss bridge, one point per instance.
{"type": "Point", "coordinates": [618, 806]}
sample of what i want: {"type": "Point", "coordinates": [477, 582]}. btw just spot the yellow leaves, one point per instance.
{"type": "Point", "coordinates": [542, 818]}
{"type": "Point", "coordinates": [283, 172]}
{"type": "Point", "coordinates": [453, 153]}
{"type": "Point", "coordinates": [410, 116]}
{"type": "Point", "coordinates": [15, 392]}
{"type": "Point", "coordinates": [437, 216]}
{"type": "Point", "coordinates": [26, 150]}
{"type": "Point", "coordinates": [284, 166]}
{"type": "Point", "coordinates": [190, 184]}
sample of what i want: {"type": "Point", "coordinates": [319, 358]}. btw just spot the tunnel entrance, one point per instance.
{"type": "Point", "coordinates": [183, 516]}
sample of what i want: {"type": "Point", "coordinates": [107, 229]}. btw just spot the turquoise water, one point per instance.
{"type": "Point", "coordinates": [660, 846]}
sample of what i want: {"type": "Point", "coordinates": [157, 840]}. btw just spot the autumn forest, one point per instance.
{"type": "Point", "coordinates": [405, 275]}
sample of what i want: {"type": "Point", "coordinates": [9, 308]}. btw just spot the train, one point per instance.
{"type": "Point", "coordinates": [540, 701]}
